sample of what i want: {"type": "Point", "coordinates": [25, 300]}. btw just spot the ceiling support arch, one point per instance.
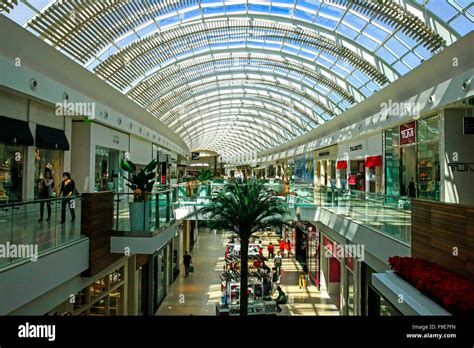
{"type": "Point", "coordinates": [210, 114]}
{"type": "Point", "coordinates": [232, 100]}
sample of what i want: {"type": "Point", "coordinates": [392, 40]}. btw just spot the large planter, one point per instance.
{"type": "Point", "coordinates": [140, 216]}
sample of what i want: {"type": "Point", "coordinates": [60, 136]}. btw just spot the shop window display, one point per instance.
{"type": "Point", "coordinates": [413, 169]}
{"type": "Point", "coordinates": [11, 172]}
{"type": "Point", "coordinates": [357, 175]}
{"type": "Point", "coordinates": [103, 297]}
{"type": "Point", "coordinates": [108, 174]}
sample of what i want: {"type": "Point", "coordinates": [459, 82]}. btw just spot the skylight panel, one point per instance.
{"type": "Point", "coordinates": [354, 20]}
{"type": "Point", "coordinates": [326, 22]}
{"type": "Point", "coordinates": [304, 15]}
{"type": "Point", "coordinates": [258, 7]}
{"type": "Point", "coordinates": [462, 25]}
{"type": "Point", "coordinates": [386, 55]}
{"type": "Point", "coordinates": [442, 9]}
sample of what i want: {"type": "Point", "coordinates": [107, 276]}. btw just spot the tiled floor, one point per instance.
{"type": "Point", "coordinates": [198, 294]}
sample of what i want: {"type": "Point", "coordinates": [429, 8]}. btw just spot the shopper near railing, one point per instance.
{"type": "Point", "coordinates": [45, 193]}
{"type": "Point", "coordinates": [67, 191]}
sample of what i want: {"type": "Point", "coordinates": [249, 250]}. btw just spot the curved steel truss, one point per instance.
{"type": "Point", "coordinates": [239, 76]}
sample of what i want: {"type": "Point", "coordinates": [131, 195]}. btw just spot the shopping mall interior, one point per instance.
{"type": "Point", "coordinates": [154, 152]}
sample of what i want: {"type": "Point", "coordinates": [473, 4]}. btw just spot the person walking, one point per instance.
{"type": "Point", "coordinates": [303, 278]}
{"type": "Point", "coordinates": [45, 193]}
{"type": "Point", "coordinates": [282, 247]}
{"type": "Point", "coordinates": [260, 247]}
{"type": "Point", "coordinates": [187, 262]}
{"type": "Point", "coordinates": [67, 190]}
{"type": "Point", "coordinates": [277, 261]}
{"type": "Point", "coordinates": [281, 299]}
{"type": "Point", "coordinates": [288, 247]}
{"type": "Point", "coordinates": [271, 251]}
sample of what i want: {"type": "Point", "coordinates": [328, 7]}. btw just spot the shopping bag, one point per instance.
{"type": "Point", "coordinates": [191, 268]}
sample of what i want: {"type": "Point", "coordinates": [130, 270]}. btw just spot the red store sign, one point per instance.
{"type": "Point", "coordinates": [408, 133]}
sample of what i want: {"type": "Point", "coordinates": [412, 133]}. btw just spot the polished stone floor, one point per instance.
{"type": "Point", "coordinates": [19, 225]}
{"type": "Point", "coordinates": [199, 293]}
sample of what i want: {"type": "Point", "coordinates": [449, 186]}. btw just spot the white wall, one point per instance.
{"type": "Point", "coordinates": [82, 166]}
{"type": "Point", "coordinates": [140, 150]}
{"type": "Point", "coordinates": [458, 180]}
{"type": "Point", "coordinates": [108, 137]}
{"type": "Point", "coordinates": [33, 279]}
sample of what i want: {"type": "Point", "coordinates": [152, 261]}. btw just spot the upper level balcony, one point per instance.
{"type": "Point", "coordinates": [384, 214]}
{"type": "Point", "coordinates": [24, 235]}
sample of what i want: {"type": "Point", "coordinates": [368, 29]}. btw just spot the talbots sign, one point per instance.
{"type": "Point", "coordinates": [408, 133]}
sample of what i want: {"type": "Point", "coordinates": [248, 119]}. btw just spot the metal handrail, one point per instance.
{"type": "Point", "coordinates": [35, 201]}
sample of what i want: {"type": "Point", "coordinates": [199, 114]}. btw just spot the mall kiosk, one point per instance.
{"type": "Point", "coordinates": [230, 301]}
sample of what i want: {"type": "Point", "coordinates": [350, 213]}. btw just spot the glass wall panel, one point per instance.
{"type": "Point", "coordinates": [428, 171]}
{"type": "Point", "coordinates": [428, 129]}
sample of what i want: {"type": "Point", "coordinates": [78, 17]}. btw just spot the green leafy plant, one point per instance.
{"type": "Point", "coordinates": [245, 207]}
{"type": "Point", "coordinates": [205, 175]}
{"type": "Point", "coordinates": [140, 181]}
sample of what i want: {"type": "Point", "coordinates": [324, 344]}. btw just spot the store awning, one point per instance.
{"type": "Point", "coordinates": [51, 138]}
{"type": "Point", "coordinates": [341, 165]}
{"type": "Point", "coordinates": [373, 161]}
{"type": "Point", "coordinates": [15, 132]}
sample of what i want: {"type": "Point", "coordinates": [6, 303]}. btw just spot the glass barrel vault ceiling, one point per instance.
{"type": "Point", "coordinates": [241, 76]}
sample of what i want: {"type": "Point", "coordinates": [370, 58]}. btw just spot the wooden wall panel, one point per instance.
{"type": "Point", "coordinates": [439, 227]}
{"type": "Point", "coordinates": [97, 220]}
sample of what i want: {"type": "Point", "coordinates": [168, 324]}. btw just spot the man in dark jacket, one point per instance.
{"type": "Point", "coordinates": [187, 262]}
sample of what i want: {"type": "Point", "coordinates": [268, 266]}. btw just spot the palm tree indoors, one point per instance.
{"type": "Point", "coordinates": [245, 207]}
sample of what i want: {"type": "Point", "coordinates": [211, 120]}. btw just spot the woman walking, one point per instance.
{"type": "Point", "coordinates": [288, 247]}
{"type": "Point", "coordinates": [68, 189]}
{"type": "Point", "coordinates": [45, 193]}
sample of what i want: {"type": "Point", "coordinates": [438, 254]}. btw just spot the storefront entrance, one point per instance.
{"type": "Point", "coordinates": [108, 174]}
{"type": "Point", "coordinates": [408, 171]}
{"type": "Point", "coordinates": [412, 166]}
{"type": "Point", "coordinates": [357, 175]}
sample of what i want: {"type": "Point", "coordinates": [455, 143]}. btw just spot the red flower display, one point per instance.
{"type": "Point", "coordinates": [448, 289]}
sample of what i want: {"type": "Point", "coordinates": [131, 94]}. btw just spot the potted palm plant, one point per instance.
{"type": "Point", "coordinates": [141, 182]}
{"type": "Point", "coordinates": [245, 207]}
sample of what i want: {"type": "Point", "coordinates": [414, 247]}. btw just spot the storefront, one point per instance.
{"type": "Point", "coordinates": [412, 163]}
{"type": "Point", "coordinates": [314, 254]}
{"type": "Point", "coordinates": [160, 277]}
{"type": "Point", "coordinates": [325, 166]}
{"type": "Point", "coordinates": [340, 269]}
{"type": "Point", "coordinates": [270, 172]}
{"type": "Point", "coordinates": [304, 169]}
{"type": "Point", "coordinates": [49, 151]}
{"type": "Point", "coordinates": [307, 249]}
{"type": "Point", "coordinates": [359, 165]}
{"type": "Point", "coordinates": [15, 137]}
{"type": "Point", "coordinates": [97, 152]}
{"type": "Point", "coordinates": [107, 169]}
{"type": "Point", "coordinates": [104, 296]}
{"type": "Point", "coordinates": [331, 270]}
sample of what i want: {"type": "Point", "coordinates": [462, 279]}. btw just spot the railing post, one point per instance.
{"type": "Point", "coordinates": [157, 210]}
{"type": "Point", "coordinates": [168, 215]}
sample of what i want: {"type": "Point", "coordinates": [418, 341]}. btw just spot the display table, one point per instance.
{"type": "Point", "coordinates": [262, 308]}
{"type": "Point", "coordinates": [259, 300]}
